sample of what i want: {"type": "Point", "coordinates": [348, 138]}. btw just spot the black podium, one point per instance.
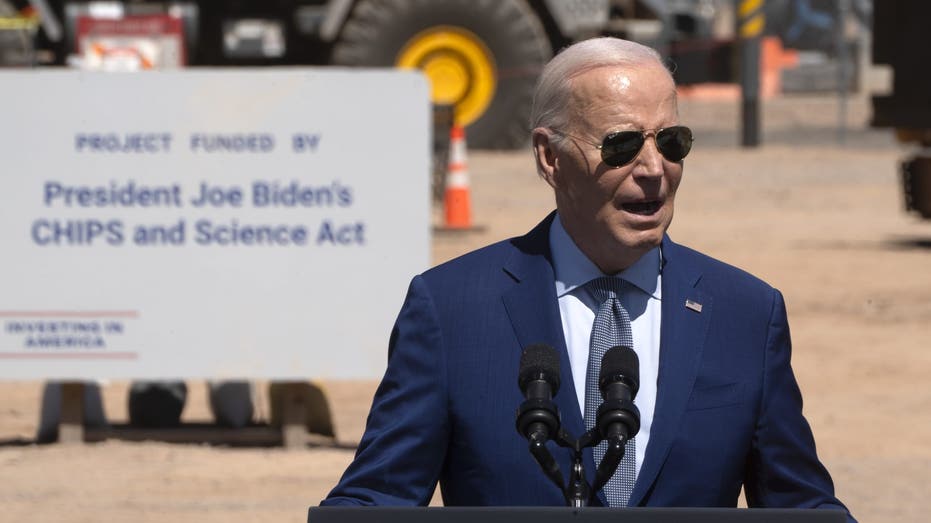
{"type": "Point", "coordinates": [568, 515]}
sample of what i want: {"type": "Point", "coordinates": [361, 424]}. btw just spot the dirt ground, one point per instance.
{"type": "Point", "coordinates": [818, 219]}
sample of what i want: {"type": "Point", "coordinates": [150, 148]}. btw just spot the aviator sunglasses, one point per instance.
{"type": "Point", "coordinates": [621, 147]}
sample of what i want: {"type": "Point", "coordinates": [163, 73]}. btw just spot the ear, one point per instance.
{"type": "Point", "coordinates": [544, 151]}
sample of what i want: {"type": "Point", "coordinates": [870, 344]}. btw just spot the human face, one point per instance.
{"type": "Point", "coordinates": [614, 214]}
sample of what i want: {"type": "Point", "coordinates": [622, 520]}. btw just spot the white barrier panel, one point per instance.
{"type": "Point", "coordinates": [209, 223]}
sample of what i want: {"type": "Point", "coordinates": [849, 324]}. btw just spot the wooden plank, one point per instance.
{"type": "Point", "coordinates": [260, 435]}
{"type": "Point", "coordinates": [205, 432]}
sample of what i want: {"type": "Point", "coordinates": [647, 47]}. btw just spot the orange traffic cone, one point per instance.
{"type": "Point", "coordinates": [456, 199]}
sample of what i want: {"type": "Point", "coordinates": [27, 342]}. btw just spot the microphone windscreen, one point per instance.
{"type": "Point", "coordinates": [620, 364]}
{"type": "Point", "coordinates": [539, 361]}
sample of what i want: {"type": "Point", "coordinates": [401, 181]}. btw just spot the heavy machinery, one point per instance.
{"type": "Point", "coordinates": [482, 56]}
{"type": "Point", "coordinates": [900, 33]}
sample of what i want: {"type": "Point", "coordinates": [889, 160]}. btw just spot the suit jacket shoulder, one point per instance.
{"type": "Point", "coordinates": [500, 264]}
{"type": "Point", "coordinates": [716, 270]}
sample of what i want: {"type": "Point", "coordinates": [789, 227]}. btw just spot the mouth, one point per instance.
{"type": "Point", "coordinates": [643, 208]}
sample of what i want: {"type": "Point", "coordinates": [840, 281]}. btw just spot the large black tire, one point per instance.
{"type": "Point", "coordinates": [378, 30]}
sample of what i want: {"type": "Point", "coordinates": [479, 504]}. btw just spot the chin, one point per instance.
{"type": "Point", "coordinates": [642, 240]}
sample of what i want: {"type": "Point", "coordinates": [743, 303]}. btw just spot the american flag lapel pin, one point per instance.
{"type": "Point", "coordinates": [693, 305]}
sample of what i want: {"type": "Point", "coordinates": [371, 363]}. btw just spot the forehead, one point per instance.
{"type": "Point", "coordinates": [637, 95]}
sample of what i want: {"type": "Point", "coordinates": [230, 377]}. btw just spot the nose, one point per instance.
{"type": "Point", "coordinates": [649, 163]}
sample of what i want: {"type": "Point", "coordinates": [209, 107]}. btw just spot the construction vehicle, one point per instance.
{"type": "Point", "coordinates": [482, 56]}
{"type": "Point", "coordinates": [900, 34]}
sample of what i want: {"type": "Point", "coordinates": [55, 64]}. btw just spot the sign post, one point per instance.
{"type": "Point", "coordinates": [751, 21]}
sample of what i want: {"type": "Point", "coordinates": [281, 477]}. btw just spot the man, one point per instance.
{"type": "Point", "coordinates": [719, 405]}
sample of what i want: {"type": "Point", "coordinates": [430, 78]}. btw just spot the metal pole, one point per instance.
{"type": "Point", "coordinates": [750, 24]}
{"type": "Point", "coordinates": [843, 63]}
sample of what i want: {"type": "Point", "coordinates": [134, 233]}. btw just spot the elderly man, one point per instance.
{"type": "Point", "coordinates": [719, 405]}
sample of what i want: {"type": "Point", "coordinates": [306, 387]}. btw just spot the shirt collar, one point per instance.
{"type": "Point", "coordinates": [573, 269]}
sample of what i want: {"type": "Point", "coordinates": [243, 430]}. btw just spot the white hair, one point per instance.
{"type": "Point", "coordinates": [553, 90]}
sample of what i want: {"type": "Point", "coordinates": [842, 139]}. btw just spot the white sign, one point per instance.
{"type": "Point", "coordinates": [209, 223]}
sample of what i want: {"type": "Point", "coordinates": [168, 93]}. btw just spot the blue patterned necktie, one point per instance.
{"type": "Point", "coordinates": [611, 328]}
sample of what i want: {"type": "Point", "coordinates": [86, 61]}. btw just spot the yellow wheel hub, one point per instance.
{"type": "Point", "coordinates": [461, 70]}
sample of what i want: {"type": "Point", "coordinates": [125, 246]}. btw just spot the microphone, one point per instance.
{"type": "Point", "coordinates": [619, 382]}
{"type": "Point", "coordinates": [538, 379]}
{"type": "Point", "coordinates": [618, 418]}
{"type": "Point", "coordinates": [537, 417]}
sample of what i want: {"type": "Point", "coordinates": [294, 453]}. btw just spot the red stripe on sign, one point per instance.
{"type": "Point", "coordinates": [70, 355]}
{"type": "Point", "coordinates": [69, 314]}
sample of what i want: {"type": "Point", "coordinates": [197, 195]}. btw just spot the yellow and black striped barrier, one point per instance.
{"type": "Point", "coordinates": [752, 19]}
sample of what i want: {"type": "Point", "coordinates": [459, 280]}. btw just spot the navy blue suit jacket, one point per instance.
{"type": "Point", "coordinates": [728, 409]}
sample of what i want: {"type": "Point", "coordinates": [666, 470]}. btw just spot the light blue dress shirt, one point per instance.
{"type": "Point", "coordinates": [577, 308]}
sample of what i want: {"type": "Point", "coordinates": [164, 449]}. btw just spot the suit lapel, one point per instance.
{"type": "Point", "coordinates": [533, 310]}
{"type": "Point", "coordinates": [686, 313]}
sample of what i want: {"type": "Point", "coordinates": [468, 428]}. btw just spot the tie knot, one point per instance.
{"type": "Point", "coordinates": [606, 287]}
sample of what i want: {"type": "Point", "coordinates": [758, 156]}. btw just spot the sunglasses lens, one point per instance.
{"type": "Point", "coordinates": [621, 148]}
{"type": "Point", "coordinates": [674, 142]}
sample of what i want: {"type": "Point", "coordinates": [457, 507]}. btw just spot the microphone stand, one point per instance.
{"type": "Point", "coordinates": [578, 492]}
